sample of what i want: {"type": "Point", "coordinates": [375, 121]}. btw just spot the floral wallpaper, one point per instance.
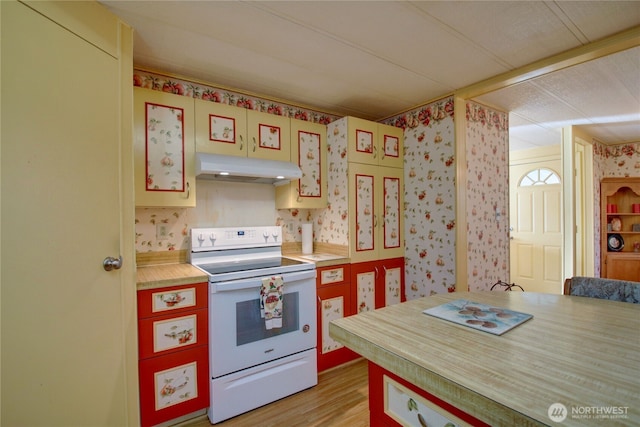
{"type": "Point", "coordinates": [429, 198]}
{"type": "Point", "coordinates": [487, 191]}
{"type": "Point", "coordinates": [218, 204]}
{"type": "Point", "coordinates": [330, 225]}
{"type": "Point", "coordinates": [618, 160]}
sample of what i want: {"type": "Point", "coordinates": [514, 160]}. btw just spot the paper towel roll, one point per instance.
{"type": "Point", "coordinates": [307, 238]}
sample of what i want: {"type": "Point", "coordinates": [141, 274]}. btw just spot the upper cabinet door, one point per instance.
{"type": "Point", "coordinates": [309, 151]}
{"type": "Point", "coordinates": [362, 144]}
{"type": "Point", "coordinates": [375, 143]}
{"type": "Point", "coordinates": [390, 146]}
{"type": "Point", "coordinates": [390, 211]}
{"type": "Point", "coordinates": [363, 216]}
{"type": "Point", "coordinates": [375, 212]}
{"type": "Point", "coordinates": [269, 136]}
{"type": "Point", "coordinates": [221, 128]}
{"type": "Point", "coordinates": [164, 149]}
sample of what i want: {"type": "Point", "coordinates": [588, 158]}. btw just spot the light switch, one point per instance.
{"type": "Point", "coordinates": [162, 231]}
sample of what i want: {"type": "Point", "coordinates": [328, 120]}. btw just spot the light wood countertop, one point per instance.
{"type": "Point", "coordinates": [581, 352]}
{"type": "Point", "coordinates": [161, 275]}
{"type": "Point", "coordinates": [324, 254]}
{"type": "Point", "coordinates": [319, 259]}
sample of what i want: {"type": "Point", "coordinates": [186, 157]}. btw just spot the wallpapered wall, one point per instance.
{"type": "Point", "coordinates": [430, 208]}
{"type": "Point", "coordinates": [429, 198]}
{"type": "Point", "coordinates": [487, 191]}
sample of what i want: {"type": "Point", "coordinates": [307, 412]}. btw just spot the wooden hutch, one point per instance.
{"type": "Point", "coordinates": [620, 228]}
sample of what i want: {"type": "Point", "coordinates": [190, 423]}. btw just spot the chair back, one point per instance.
{"type": "Point", "coordinates": [596, 287]}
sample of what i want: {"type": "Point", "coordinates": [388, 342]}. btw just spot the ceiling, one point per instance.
{"type": "Point", "coordinates": [375, 59]}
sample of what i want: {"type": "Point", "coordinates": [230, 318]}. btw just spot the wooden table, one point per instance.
{"type": "Point", "coordinates": [581, 352]}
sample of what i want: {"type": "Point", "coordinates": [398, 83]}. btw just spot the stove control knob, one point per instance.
{"type": "Point", "coordinates": [275, 235]}
{"type": "Point", "coordinates": [200, 238]}
{"type": "Point", "coordinates": [266, 236]}
{"type": "Point", "coordinates": [213, 238]}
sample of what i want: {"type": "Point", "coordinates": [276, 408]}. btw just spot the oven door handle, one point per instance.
{"type": "Point", "coordinates": [256, 282]}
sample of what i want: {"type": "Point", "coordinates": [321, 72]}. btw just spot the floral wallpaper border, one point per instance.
{"type": "Point", "coordinates": [182, 87]}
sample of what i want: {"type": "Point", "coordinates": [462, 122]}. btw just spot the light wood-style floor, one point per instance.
{"type": "Point", "coordinates": [341, 399]}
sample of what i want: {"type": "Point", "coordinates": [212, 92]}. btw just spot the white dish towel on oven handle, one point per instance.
{"type": "Point", "coordinates": [271, 299]}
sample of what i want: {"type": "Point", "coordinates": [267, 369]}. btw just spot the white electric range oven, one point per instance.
{"type": "Point", "coordinates": [252, 362]}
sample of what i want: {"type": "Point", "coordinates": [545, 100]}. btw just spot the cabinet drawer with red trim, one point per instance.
{"type": "Point", "coordinates": [155, 302]}
{"type": "Point", "coordinates": [396, 402]}
{"type": "Point", "coordinates": [172, 332]}
{"type": "Point", "coordinates": [334, 275]}
{"type": "Point", "coordinates": [173, 385]}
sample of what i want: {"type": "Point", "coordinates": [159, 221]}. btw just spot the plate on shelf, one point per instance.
{"type": "Point", "coordinates": [615, 242]}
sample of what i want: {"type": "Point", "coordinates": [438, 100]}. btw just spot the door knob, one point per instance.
{"type": "Point", "coordinates": [111, 263]}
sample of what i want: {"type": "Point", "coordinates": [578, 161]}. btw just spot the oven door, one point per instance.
{"type": "Point", "coordinates": [238, 335]}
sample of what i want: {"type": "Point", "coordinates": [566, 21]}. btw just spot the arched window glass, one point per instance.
{"type": "Point", "coordinates": [540, 176]}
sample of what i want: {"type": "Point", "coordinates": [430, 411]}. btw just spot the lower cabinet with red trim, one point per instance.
{"type": "Point", "coordinates": [377, 284]}
{"type": "Point", "coordinates": [334, 302]}
{"type": "Point", "coordinates": [173, 332]}
{"type": "Point", "coordinates": [396, 402]}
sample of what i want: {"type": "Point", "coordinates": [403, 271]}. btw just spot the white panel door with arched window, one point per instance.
{"type": "Point", "coordinates": [536, 226]}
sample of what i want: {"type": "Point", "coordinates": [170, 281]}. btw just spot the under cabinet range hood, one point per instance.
{"type": "Point", "coordinates": [245, 169]}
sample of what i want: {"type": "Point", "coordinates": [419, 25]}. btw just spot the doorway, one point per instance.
{"type": "Point", "coordinates": [535, 212]}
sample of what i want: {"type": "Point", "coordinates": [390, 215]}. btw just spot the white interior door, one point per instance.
{"type": "Point", "coordinates": [63, 358]}
{"type": "Point", "coordinates": [536, 225]}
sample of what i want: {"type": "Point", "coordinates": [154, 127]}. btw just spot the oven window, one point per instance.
{"type": "Point", "coordinates": [250, 326]}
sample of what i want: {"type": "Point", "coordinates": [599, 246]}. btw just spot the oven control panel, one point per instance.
{"type": "Point", "coordinates": [209, 239]}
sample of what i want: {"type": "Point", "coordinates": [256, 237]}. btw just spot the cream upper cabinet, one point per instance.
{"type": "Point", "coordinates": [375, 212]}
{"type": "Point", "coordinates": [390, 146]}
{"type": "Point", "coordinates": [362, 141]}
{"type": "Point", "coordinates": [235, 131]}
{"type": "Point", "coordinates": [309, 151]}
{"type": "Point", "coordinates": [374, 143]}
{"type": "Point", "coordinates": [269, 136]}
{"type": "Point", "coordinates": [220, 128]}
{"type": "Point", "coordinates": [164, 149]}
